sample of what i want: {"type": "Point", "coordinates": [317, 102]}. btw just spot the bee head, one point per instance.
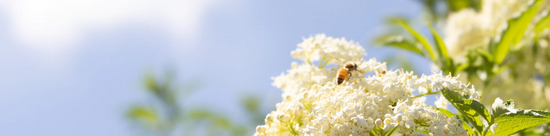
{"type": "Point", "coordinates": [350, 66]}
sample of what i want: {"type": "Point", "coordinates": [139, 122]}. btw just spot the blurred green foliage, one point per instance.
{"type": "Point", "coordinates": [490, 62]}
{"type": "Point", "coordinates": [400, 62]}
{"type": "Point", "coordinates": [166, 116]}
{"type": "Point", "coordinates": [439, 9]}
{"type": "Point", "coordinates": [435, 11]}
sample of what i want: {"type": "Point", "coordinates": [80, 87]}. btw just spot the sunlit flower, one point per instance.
{"type": "Point", "coordinates": [313, 104]}
{"type": "Point", "coordinates": [441, 102]}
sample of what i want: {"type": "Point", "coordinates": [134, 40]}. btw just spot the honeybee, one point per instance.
{"type": "Point", "coordinates": [345, 72]}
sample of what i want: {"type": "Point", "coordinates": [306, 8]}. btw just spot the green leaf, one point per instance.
{"type": "Point", "coordinates": [476, 106]}
{"type": "Point", "coordinates": [150, 82]}
{"type": "Point", "coordinates": [251, 104]}
{"type": "Point", "coordinates": [399, 60]}
{"type": "Point", "coordinates": [486, 55]}
{"type": "Point", "coordinates": [396, 20]}
{"type": "Point", "coordinates": [446, 112]}
{"type": "Point", "coordinates": [470, 114]}
{"type": "Point", "coordinates": [543, 24]}
{"type": "Point", "coordinates": [511, 123]}
{"type": "Point", "coordinates": [143, 114]}
{"type": "Point", "coordinates": [451, 95]}
{"type": "Point", "coordinates": [457, 5]}
{"type": "Point", "coordinates": [543, 113]}
{"type": "Point", "coordinates": [399, 42]}
{"type": "Point", "coordinates": [473, 117]}
{"type": "Point", "coordinates": [198, 114]}
{"type": "Point", "coordinates": [461, 67]}
{"type": "Point", "coordinates": [515, 31]}
{"type": "Point", "coordinates": [218, 121]}
{"type": "Point", "coordinates": [442, 50]}
{"type": "Point", "coordinates": [467, 128]}
{"type": "Point", "coordinates": [420, 39]}
{"type": "Point", "coordinates": [452, 115]}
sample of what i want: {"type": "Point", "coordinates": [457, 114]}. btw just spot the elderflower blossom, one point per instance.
{"type": "Point", "coordinates": [314, 104]}
{"type": "Point", "coordinates": [322, 48]}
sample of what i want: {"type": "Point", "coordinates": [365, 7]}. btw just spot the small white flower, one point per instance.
{"type": "Point", "coordinates": [493, 127]}
{"type": "Point", "coordinates": [441, 102]}
{"type": "Point", "coordinates": [499, 107]}
{"type": "Point", "coordinates": [261, 129]}
{"type": "Point", "coordinates": [378, 123]}
{"type": "Point", "coordinates": [398, 118]}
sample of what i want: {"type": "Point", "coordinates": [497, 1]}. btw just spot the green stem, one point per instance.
{"type": "Point", "coordinates": [289, 125]}
{"type": "Point", "coordinates": [486, 130]}
{"type": "Point", "coordinates": [372, 132]}
{"type": "Point", "coordinates": [424, 94]}
{"type": "Point", "coordinates": [391, 131]}
{"type": "Point", "coordinates": [324, 61]}
{"type": "Point", "coordinates": [320, 65]}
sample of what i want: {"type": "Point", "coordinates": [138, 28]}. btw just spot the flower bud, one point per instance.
{"type": "Point", "coordinates": [281, 117]}
{"type": "Point", "coordinates": [387, 116]}
{"type": "Point", "coordinates": [398, 118]}
{"type": "Point", "coordinates": [297, 53]}
{"type": "Point", "coordinates": [387, 121]}
{"type": "Point", "coordinates": [415, 115]}
{"type": "Point", "coordinates": [378, 123]}
{"type": "Point", "coordinates": [268, 119]}
{"type": "Point", "coordinates": [370, 121]}
{"type": "Point", "coordinates": [261, 129]}
{"type": "Point", "coordinates": [324, 127]}
{"type": "Point", "coordinates": [446, 130]}
{"type": "Point", "coordinates": [288, 98]}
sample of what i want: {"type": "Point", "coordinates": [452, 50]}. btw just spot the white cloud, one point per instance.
{"type": "Point", "coordinates": [54, 28]}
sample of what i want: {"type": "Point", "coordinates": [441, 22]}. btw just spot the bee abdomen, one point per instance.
{"type": "Point", "coordinates": [342, 75]}
{"type": "Point", "coordinates": [340, 81]}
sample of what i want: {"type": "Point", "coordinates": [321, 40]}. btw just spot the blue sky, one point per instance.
{"type": "Point", "coordinates": [73, 67]}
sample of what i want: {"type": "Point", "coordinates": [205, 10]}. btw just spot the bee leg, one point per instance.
{"type": "Point", "coordinates": [349, 76]}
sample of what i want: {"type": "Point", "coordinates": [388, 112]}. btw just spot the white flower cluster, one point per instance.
{"type": "Point", "coordinates": [313, 104]}
{"type": "Point", "coordinates": [325, 48]}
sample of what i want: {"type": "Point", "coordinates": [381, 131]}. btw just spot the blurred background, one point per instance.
{"type": "Point", "coordinates": [166, 67]}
